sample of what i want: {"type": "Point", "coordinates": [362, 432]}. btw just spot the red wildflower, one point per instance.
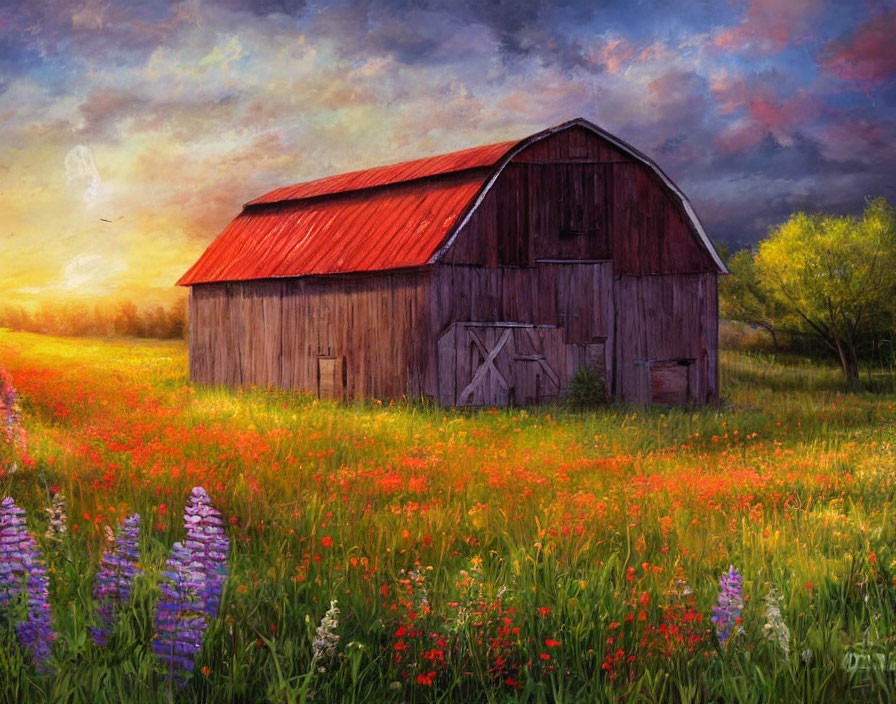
{"type": "Point", "coordinates": [326, 541]}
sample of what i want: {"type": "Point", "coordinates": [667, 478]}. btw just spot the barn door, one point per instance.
{"type": "Point", "coordinates": [501, 364]}
{"type": "Point", "coordinates": [538, 364]}
{"type": "Point", "coordinates": [484, 363]}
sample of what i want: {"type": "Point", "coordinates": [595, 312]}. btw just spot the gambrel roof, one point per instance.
{"type": "Point", "coordinates": [390, 217]}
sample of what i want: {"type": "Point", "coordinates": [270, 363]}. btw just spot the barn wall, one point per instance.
{"type": "Point", "coordinates": [575, 196]}
{"type": "Point", "coordinates": [271, 332]}
{"type": "Point", "coordinates": [575, 297]}
{"type": "Point", "coordinates": [665, 318]}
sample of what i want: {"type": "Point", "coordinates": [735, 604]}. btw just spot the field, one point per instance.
{"type": "Point", "coordinates": [538, 555]}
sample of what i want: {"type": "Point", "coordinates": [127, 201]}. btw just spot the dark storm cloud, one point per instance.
{"type": "Point", "coordinates": [419, 31]}
{"type": "Point", "coordinates": [263, 8]}
{"type": "Point", "coordinates": [739, 196]}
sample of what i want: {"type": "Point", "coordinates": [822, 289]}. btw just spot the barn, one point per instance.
{"type": "Point", "coordinates": [485, 277]}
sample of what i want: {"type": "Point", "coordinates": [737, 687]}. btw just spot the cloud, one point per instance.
{"type": "Point", "coordinates": [93, 14]}
{"type": "Point", "coordinates": [172, 116]}
{"type": "Point", "coordinates": [768, 26]}
{"type": "Point", "coordinates": [81, 172]}
{"type": "Point", "coordinates": [760, 104]}
{"type": "Point", "coordinates": [868, 55]}
{"type": "Point", "coordinates": [263, 8]}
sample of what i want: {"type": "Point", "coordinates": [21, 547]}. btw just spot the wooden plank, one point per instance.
{"type": "Point", "coordinates": [329, 378]}
{"type": "Point", "coordinates": [669, 384]}
{"type": "Point", "coordinates": [447, 356]}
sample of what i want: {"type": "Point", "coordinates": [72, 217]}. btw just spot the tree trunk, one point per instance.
{"type": "Point", "coordinates": [771, 331]}
{"type": "Point", "coordinates": [849, 362]}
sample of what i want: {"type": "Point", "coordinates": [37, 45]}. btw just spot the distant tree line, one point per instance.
{"type": "Point", "coordinates": [821, 282]}
{"type": "Point", "coordinates": [103, 319]}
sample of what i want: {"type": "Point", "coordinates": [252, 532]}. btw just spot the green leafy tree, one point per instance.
{"type": "Point", "coordinates": [836, 273]}
{"type": "Point", "coordinates": [744, 298]}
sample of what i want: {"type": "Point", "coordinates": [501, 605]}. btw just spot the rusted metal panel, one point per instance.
{"type": "Point", "coordinates": [391, 229]}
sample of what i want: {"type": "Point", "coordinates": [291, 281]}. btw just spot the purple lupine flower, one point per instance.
{"type": "Point", "coordinates": [192, 585]}
{"type": "Point", "coordinates": [207, 539]}
{"type": "Point", "coordinates": [11, 423]}
{"type": "Point", "coordinates": [180, 614]}
{"type": "Point", "coordinates": [22, 574]}
{"type": "Point", "coordinates": [115, 579]}
{"type": "Point", "coordinates": [726, 614]}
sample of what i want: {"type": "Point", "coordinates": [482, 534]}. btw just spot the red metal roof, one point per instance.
{"type": "Point", "coordinates": [475, 158]}
{"type": "Point", "coordinates": [391, 228]}
{"type": "Point", "coordinates": [390, 217]}
{"type": "Point", "coordinates": [357, 226]}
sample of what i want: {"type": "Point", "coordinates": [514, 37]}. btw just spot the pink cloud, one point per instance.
{"type": "Point", "coordinates": [869, 55]}
{"type": "Point", "coordinates": [782, 117]}
{"type": "Point", "coordinates": [740, 137]}
{"type": "Point", "coordinates": [615, 54]}
{"type": "Point", "coordinates": [766, 103]}
{"type": "Point", "coordinates": [769, 25]}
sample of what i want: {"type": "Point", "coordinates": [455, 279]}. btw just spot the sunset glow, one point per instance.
{"type": "Point", "coordinates": [132, 132]}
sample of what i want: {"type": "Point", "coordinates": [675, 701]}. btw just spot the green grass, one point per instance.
{"type": "Point", "coordinates": [571, 517]}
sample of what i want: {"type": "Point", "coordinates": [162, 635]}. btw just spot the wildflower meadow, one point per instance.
{"type": "Point", "coordinates": [161, 542]}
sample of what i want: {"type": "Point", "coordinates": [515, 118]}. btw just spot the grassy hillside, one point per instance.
{"type": "Point", "coordinates": [503, 555]}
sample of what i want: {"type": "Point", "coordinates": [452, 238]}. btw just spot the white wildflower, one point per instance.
{"type": "Point", "coordinates": [58, 517]}
{"type": "Point", "coordinates": [325, 640]}
{"type": "Point", "coordinates": [776, 629]}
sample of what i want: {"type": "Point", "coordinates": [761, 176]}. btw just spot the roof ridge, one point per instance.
{"type": "Point", "coordinates": [483, 156]}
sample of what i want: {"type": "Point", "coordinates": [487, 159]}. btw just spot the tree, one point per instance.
{"type": "Point", "coordinates": [836, 273]}
{"type": "Point", "coordinates": [743, 297]}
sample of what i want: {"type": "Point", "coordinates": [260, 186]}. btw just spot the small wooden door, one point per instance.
{"type": "Point", "coordinates": [330, 378]}
{"type": "Point", "coordinates": [669, 383]}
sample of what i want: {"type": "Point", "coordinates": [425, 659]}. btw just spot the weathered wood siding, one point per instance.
{"type": "Point", "coordinates": [575, 239]}
{"type": "Point", "coordinates": [576, 297]}
{"type": "Point", "coordinates": [593, 202]}
{"type": "Point", "coordinates": [662, 318]}
{"type": "Point", "coordinates": [272, 333]}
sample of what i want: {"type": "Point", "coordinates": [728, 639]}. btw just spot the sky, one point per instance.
{"type": "Point", "coordinates": [131, 132]}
